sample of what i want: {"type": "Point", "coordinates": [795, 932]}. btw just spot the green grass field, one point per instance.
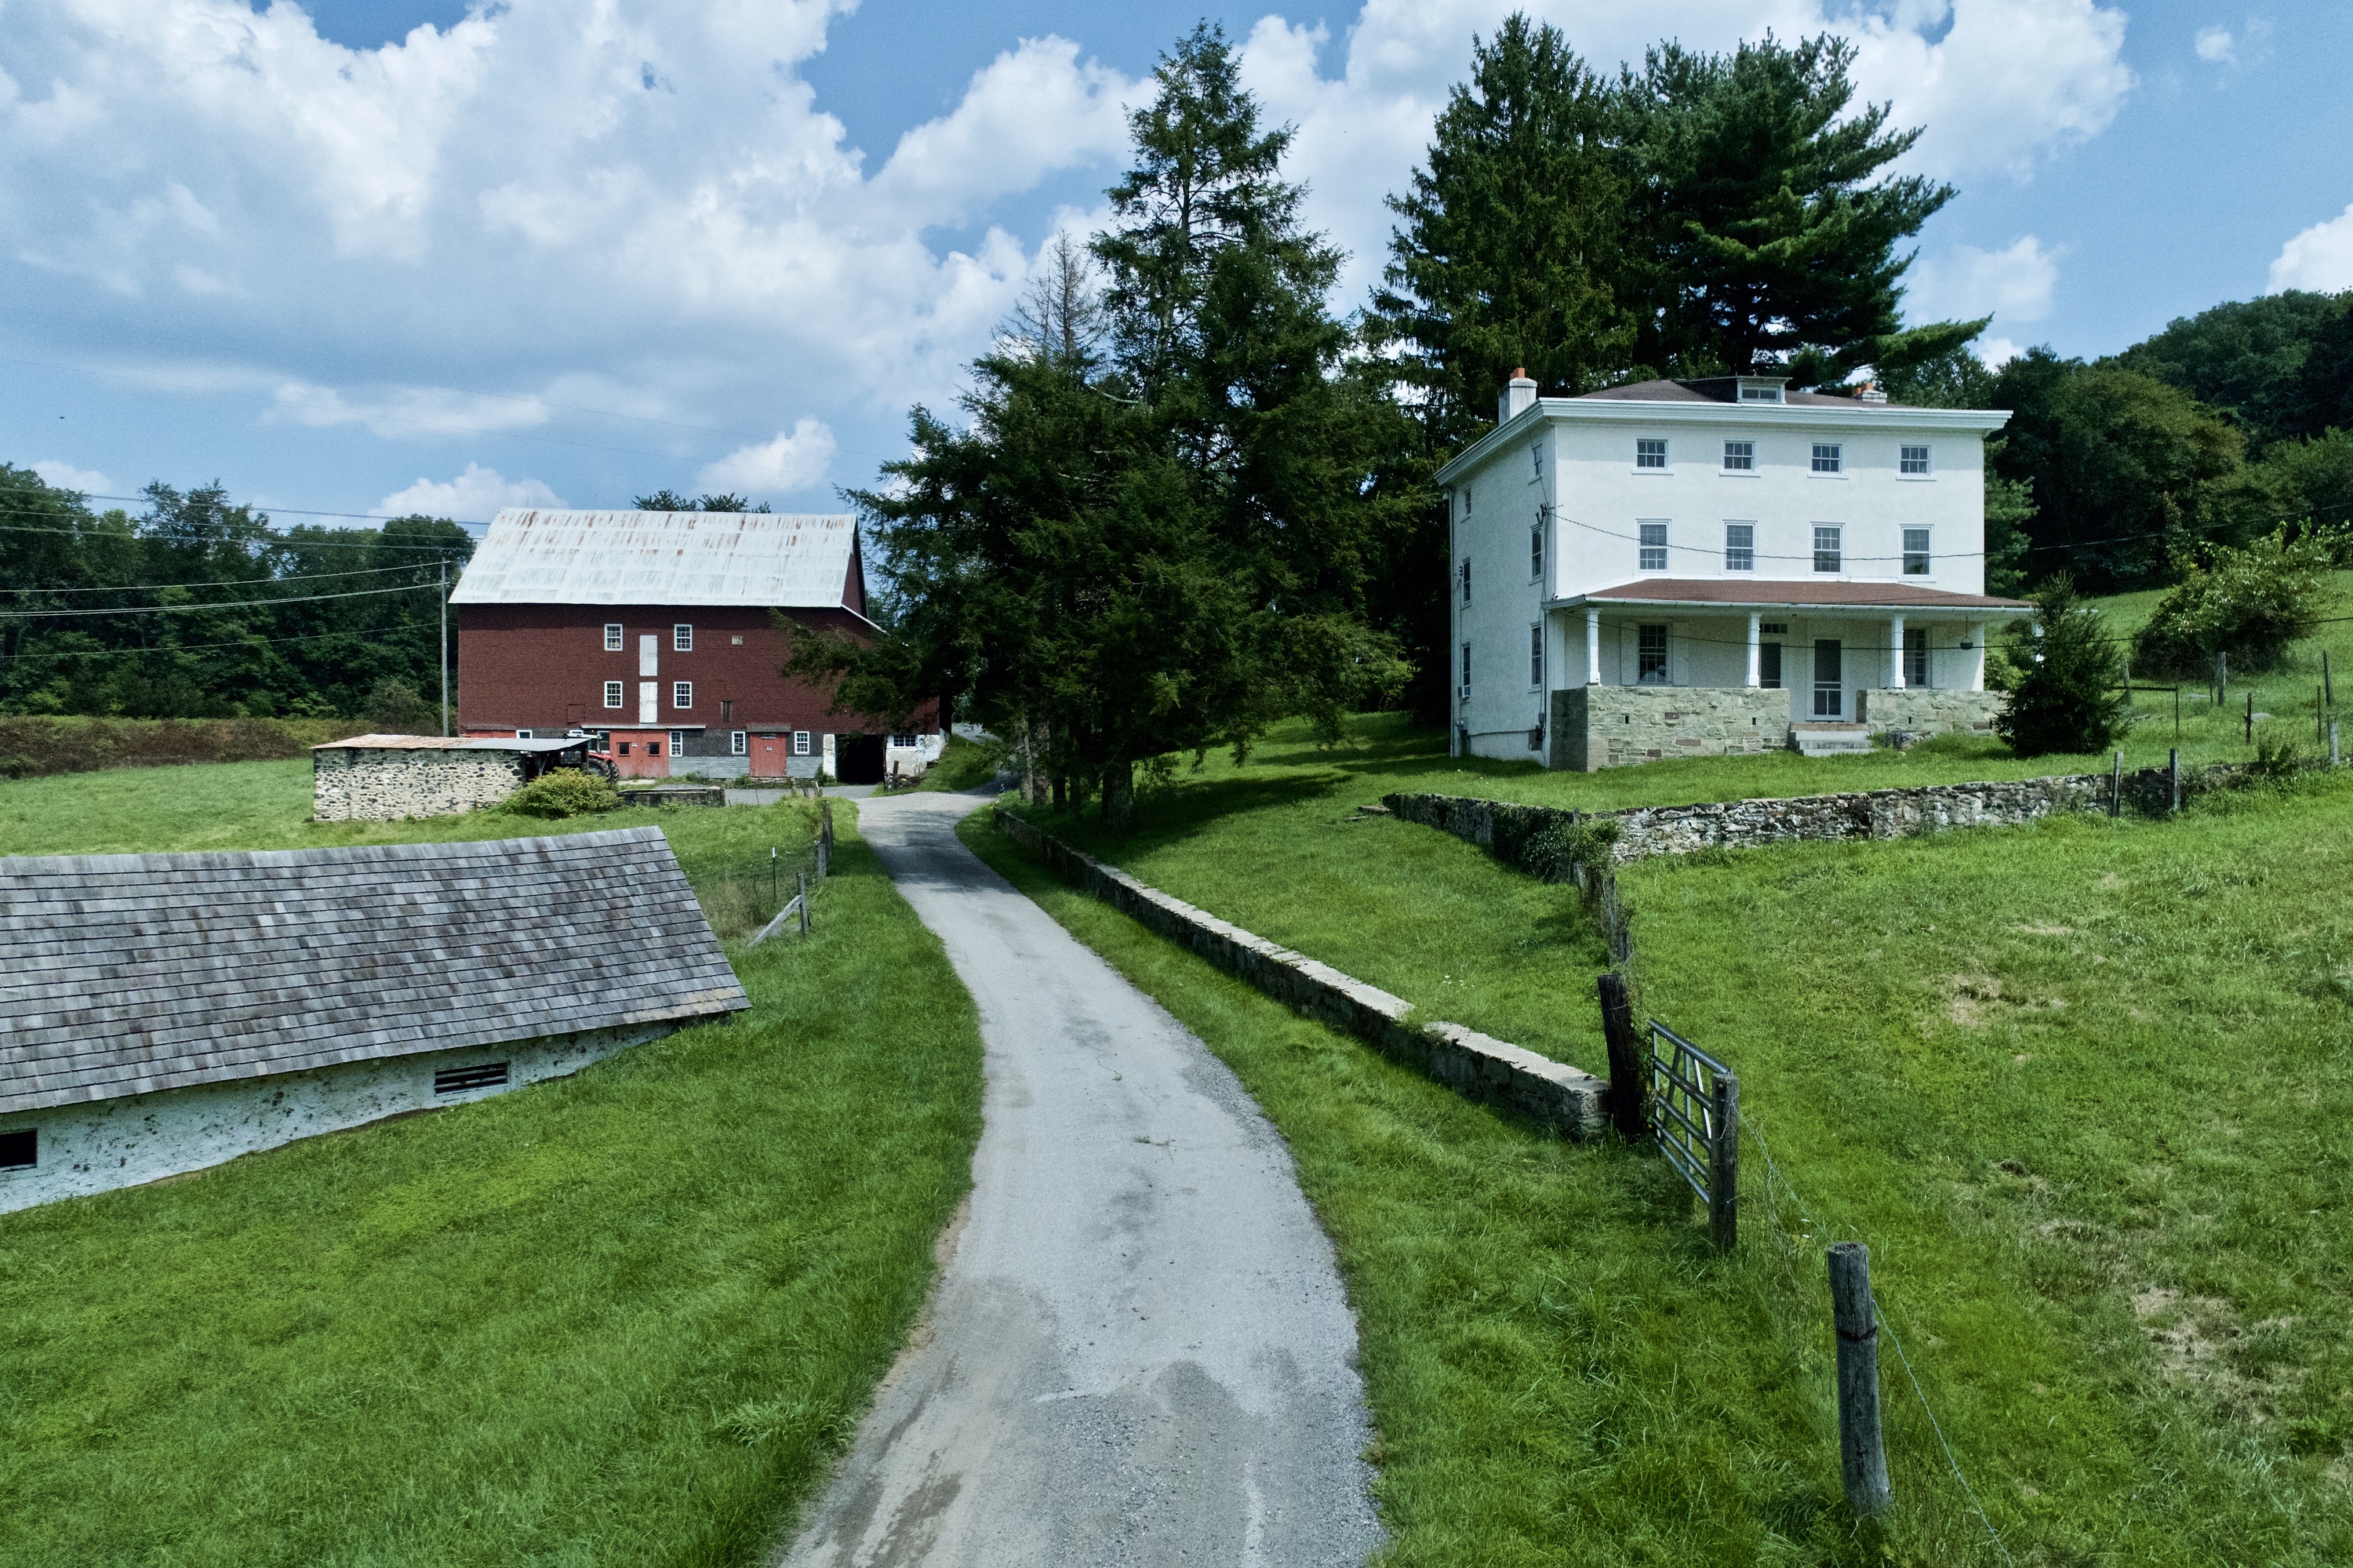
{"type": "Point", "coordinates": [2082, 1085]}
{"type": "Point", "coordinates": [624, 1318]}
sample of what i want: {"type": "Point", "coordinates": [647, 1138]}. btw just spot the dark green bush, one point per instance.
{"type": "Point", "coordinates": [2250, 604]}
{"type": "Point", "coordinates": [564, 792]}
{"type": "Point", "coordinates": [1553, 850]}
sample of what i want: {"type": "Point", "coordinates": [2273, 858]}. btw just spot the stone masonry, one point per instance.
{"type": "Point", "coordinates": [369, 785]}
{"type": "Point", "coordinates": [1611, 726]}
{"type": "Point", "coordinates": [1928, 710]}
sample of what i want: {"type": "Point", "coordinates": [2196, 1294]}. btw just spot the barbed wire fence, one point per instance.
{"type": "Point", "coordinates": [742, 894]}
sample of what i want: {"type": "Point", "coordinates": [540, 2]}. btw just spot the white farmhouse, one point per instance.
{"type": "Point", "coordinates": [1698, 568]}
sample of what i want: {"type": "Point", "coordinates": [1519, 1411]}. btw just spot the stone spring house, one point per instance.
{"type": "Point", "coordinates": [383, 778]}
{"type": "Point", "coordinates": [163, 1013]}
{"type": "Point", "coordinates": [1701, 568]}
{"type": "Point", "coordinates": [654, 630]}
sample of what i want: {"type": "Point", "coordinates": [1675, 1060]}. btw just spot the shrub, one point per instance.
{"type": "Point", "coordinates": [393, 707]}
{"type": "Point", "coordinates": [562, 792]}
{"type": "Point", "coordinates": [1552, 850]}
{"type": "Point", "coordinates": [2062, 684]}
{"type": "Point", "coordinates": [2250, 604]}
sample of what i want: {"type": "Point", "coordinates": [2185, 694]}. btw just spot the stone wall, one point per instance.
{"type": "Point", "coordinates": [1472, 1063]}
{"type": "Point", "coordinates": [1928, 710]}
{"type": "Point", "coordinates": [386, 785]}
{"type": "Point", "coordinates": [105, 1144]}
{"type": "Point", "coordinates": [1611, 726]}
{"type": "Point", "coordinates": [1507, 828]}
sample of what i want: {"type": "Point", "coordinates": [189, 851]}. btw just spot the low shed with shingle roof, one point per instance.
{"type": "Point", "coordinates": [163, 1013]}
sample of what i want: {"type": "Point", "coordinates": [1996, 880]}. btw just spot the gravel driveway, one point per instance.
{"type": "Point", "coordinates": [1140, 1352]}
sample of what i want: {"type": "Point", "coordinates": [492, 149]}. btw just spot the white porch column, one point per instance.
{"type": "Point", "coordinates": [1895, 652]}
{"type": "Point", "coordinates": [1755, 658]}
{"type": "Point", "coordinates": [1592, 647]}
{"type": "Point", "coordinates": [1976, 630]}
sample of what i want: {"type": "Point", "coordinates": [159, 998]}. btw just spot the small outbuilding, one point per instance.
{"type": "Point", "coordinates": [386, 778]}
{"type": "Point", "coordinates": [163, 1013]}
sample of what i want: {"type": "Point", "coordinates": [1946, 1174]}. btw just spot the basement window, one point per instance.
{"type": "Point", "coordinates": [20, 1150]}
{"type": "Point", "coordinates": [481, 1075]}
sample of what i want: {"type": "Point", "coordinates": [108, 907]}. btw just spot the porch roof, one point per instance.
{"type": "Point", "coordinates": [1716, 593]}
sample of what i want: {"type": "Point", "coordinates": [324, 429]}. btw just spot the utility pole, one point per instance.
{"type": "Point", "coordinates": [445, 647]}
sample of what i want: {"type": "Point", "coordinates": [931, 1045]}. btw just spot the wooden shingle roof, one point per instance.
{"type": "Point", "coordinates": [122, 974]}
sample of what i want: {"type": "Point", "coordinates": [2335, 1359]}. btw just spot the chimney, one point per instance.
{"type": "Point", "coordinates": [1870, 393]}
{"type": "Point", "coordinates": [1519, 393]}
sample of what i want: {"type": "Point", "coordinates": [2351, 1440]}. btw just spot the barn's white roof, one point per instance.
{"type": "Point", "coordinates": [782, 560]}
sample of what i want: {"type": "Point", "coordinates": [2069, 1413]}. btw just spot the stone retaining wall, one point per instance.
{"type": "Point", "coordinates": [1611, 726]}
{"type": "Point", "coordinates": [371, 785]}
{"type": "Point", "coordinates": [1507, 828]}
{"type": "Point", "coordinates": [1472, 1063]}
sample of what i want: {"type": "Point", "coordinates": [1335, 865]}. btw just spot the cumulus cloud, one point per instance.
{"type": "Point", "coordinates": [2321, 258]}
{"type": "Point", "coordinates": [2013, 285]}
{"type": "Point", "coordinates": [795, 459]}
{"type": "Point", "coordinates": [1996, 352]}
{"type": "Point", "coordinates": [405, 410]}
{"type": "Point", "coordinates": [474, 496]}
{"type": "Point", "coordinates": [2216, 46]}
{"type": "Point", "coordinates": [2251, 46]}
{"type": "Point", "coordinates": [65, 476]}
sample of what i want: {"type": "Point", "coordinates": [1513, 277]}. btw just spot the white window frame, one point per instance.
{"type": "Point", "coordinates": [1742, 461]}
{"type": "Point", "coordinates": [1829, 460]}
{"type": "Point", "coordinates": [1664, 454]}
{"type": "Point", "coordinates": [739, 743]}
{"type": "Point", "coordinates": [1466, 579]}
{"type": "Point", "coordinates": [616, 640]}
{"type": "Point", "coordinates": [1536, 656]}
{"type": "Point", "coordinates": [1466, 670]}
{"type": "Point", "coordinates": [1905, 460]}
{"type": "Point", "coordinates": [1836, 533]}
{"type": "Point", "coordinates": [1643, 545]}
{"type": "Point", "coordinates": [804, 743]}
{"type": "Point", "coordinates": [682, 637]}
{"type": "Point", "coordinates": [906, 742]}
{"type": "Point", "coordinates": [682, 694]}
{"type": "Point", "coordinates": [678, 743]}
{"type": "Point", "coordinates": [1535, 551]}
{"type": "Point", "coordinates": [616, 695]}
{"type": "Point", "coordinates": [522, 735]}
{"type": "Point", "coordinates": [1745, 390]}
{"type": "Point", "coordinates": [1740, 556]}
{"type": "Point", "coordinates": [1926, 554]}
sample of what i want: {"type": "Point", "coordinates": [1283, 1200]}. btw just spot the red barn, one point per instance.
{"type": "Point", "coordinates": [654, 629]}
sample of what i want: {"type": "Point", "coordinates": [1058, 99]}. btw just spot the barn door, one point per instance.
{"type": "Point", "coordinates": [649, 655]}
{"type": "Point", "coordinates": [648, 711]}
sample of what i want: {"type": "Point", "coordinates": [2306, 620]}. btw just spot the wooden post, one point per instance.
{"type": "Point", "coordinates": [2177, 713]}
{"type": "Point", "coordinates": [2332, 743]}
{"type": "Point", "coordinates": [2222, 679]}
{"type": "Point", "coordinates": [2328, 686]}
{"type": "Point", "coordinates": [2127, 680]}
{"type": "Point", "coordinates": [772, 874]}
{"type": "Point", "coordinates": [2250, 716]}
{"type": "Point", "coordinates": [1630, 1074]}
{"type": "Point", "coordinates": [802, 877]}
{"type": "Point", "coordinates": [2117, 788]}
{"type": "Point", "coordinates": [1862, 1457]}
{"type": "Point", "coordinates": [2173, 768]}
{"type": "Point", "coordinates": [1724, 1164]}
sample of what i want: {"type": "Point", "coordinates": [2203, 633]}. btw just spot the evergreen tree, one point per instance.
{"type": "Point", "coordinates": [1508, 254]}
{"type": "Point", "coordinates": [2066, 694]}
{"type": "Point", "coordinates": [1766, 228]}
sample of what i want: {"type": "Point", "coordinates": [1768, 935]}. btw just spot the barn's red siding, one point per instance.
{"type": "Point", "coordinates": [545, 667]}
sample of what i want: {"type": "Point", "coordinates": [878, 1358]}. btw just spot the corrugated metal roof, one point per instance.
{"type": "Point", "coordinates": [759, 559]}
{"type": "Point", "coordinates": [447, 742]}
{"type": "Point", "coordinates": [125, 974]}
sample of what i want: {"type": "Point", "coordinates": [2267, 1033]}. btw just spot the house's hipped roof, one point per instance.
{"type": "Point", "coordinates": [122, 974]}
{"type": "Point", "coordinates": [1767, 594]}
{"type": "Point", "coordinates": [1718, 389]}
{"type": "Point", "coordinates": [759, 559]}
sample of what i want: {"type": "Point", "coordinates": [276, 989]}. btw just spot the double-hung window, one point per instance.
{"type": "Point", "coordinates": [1916, 556]}
{"type": "Point", "coordinates": [1740, 457]}
{"type": "Point", "coordinates": [1916, 655]}
{"type": "Point", "coordinates": [1740, 546]}
{"type": "Point", "coordinates": [1466, 668]}
{"type": "Point", "coordinates": [612, 694]}
{"type": "Point", "coordinates": [682, 694]}
{"type": "Point", "coordinates": [1535, 654]}
{"type": "Point", "coordinates": [1650, 451]}
{"type": "Point", "coordinates": [1652, 555]}
{"type": "Point", "coordinates": [1536, 549]}
{"type": "Point", "coordinates": [612, 637]}
{"type": "Point", "coordinates": [801, 742]}
{"type": "Point", "coordinates": [1828, 556]}
{"type": "Point", "coordinates": [682, 638]}
{"type": "Point", "coordinates": [739, 744]}
{"type": "Point", "coordinates": [1650, 655]}
{"type": "Point", "coordinates": [678, 743]}
{"type": "Point", "coordinates": [1466, 579]}
{"type": "Point", "coordinates": [1829, 458]}
{"type": "Point", "coordinates": [1913, 461]}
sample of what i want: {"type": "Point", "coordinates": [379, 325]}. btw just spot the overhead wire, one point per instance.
{"type": "Point", "coordinates": [217, 604]}
{"type": "Point", "coordinates": [227, 582]}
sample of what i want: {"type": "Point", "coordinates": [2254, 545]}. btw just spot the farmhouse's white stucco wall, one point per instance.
{"type": "Point", "coordinates": [1499, 521]}
{"type": "Point", "coordinates": [106, 1144]}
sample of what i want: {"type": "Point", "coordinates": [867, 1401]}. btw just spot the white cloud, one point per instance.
{"type": "Point", "coordinates": [2013, 285]}
{"type": "Point", "coordinates": [407, 410]}
{"type": "Point", "coordinates": [474, 496]}
{"type": "Point", "coordinates": [65, 476]}
{"type": "Point", "coordinates": [2321, 258]}
{"type": "Point", "coordinates": [1996, 352]}
{"type": "Point", "coordinates": [2216, 46]}
{"type": "Point", "coordinates": [2251, 46]}
{"type": "Point", "coordinates": [795, 459]}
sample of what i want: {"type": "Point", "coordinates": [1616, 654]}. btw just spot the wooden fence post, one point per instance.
{"type": "Point", "coordinates": [1630, 1074]}
{"type": "Point", "coordinates": [2250, 716]}
{"type": "Point", "coordinates": [1862, 1457]}
{"type": "Point", "coordinates": [2328, 686]}
{"type": "Point", "coordinates": [2117, 788]}
{"type": "Point", "coordinates": [2173, 770]}
{"type": "Point", "coordinates": [802, 877]}
{"type": "Point", "coordinates": [1724, 1163]}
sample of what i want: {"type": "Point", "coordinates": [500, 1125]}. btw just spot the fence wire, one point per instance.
{"type": "Point", "coordinates": [740, 893]}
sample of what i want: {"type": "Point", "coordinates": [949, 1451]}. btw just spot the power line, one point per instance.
{"type": "Point", "coordinates": [266, 540]}
{"type": "Point", "coordinates": [190, 609]}
{"type": "Point", "coordinates": [227, 582]}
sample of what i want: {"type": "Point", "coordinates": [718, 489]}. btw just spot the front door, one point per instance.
{"type": "Point", "coordinates": [1830, 684]}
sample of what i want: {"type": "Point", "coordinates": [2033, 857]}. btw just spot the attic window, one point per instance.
{"type": "Point", "coordinates": [482, 1075]}
{"type": "Point", "coordinates": [20, 1150]}
{"type": "Point", "coordinates": [1761, 392]}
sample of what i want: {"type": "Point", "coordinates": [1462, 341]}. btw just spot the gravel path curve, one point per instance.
{"type": "Point", "coordinates": [1140, 1352]}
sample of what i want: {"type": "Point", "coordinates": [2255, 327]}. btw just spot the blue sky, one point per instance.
{"type": "Point", "coordinates": [553, 253]}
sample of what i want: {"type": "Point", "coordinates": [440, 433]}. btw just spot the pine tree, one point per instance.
{"type": "Point", "coordinates": [2066, 696]}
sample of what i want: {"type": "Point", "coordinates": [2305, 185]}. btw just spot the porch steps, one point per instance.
{"type": "Point", "coordinates": [1822, 738]}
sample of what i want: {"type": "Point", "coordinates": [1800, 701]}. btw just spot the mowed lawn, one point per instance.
{"type": "Point", "coordinates": [2082, 1086]}
{"type": "Point", "coordinates": [624, 1318]}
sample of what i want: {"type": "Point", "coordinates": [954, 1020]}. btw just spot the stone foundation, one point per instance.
{"type": "Point", "coordinates": [1928, 710]}
{"type": "Point", "coordinates": [1611, 726]}
{"type": "Point", "coordinates": [388, 784]}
